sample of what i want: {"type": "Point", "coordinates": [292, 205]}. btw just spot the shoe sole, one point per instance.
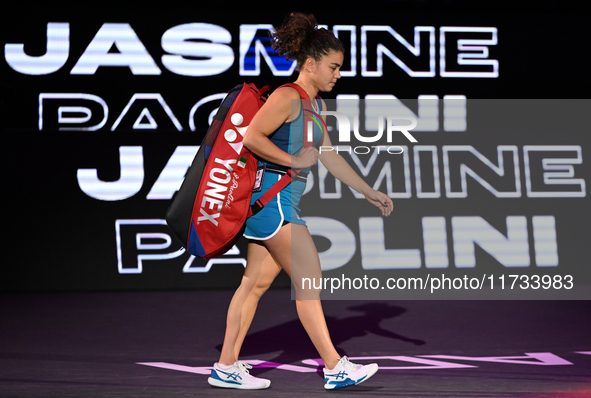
{"type": "Point", "coordinates": [222, 384]}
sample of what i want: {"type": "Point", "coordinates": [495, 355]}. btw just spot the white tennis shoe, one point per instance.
{"type": "Point", "coordinates": [347, 373]}
{"type": "Point", "coordinates": [236, 376]}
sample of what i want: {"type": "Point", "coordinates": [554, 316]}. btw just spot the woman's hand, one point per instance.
{"type": "Point", "coordinates": [306, 158]}
{"type": "Point", "coordinates": [381, 201]}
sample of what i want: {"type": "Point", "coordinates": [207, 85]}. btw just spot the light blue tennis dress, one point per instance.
{"type": "Point", "coordinates": [284, 206]}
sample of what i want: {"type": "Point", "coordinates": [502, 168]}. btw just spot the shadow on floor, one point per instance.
{"type": "Point", "coordinates": [291, 339]}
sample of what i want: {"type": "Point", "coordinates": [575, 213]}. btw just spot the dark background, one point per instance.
{"type": "Point", "coordinates": [58, 238]}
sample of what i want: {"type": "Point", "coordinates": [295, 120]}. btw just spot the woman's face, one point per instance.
{"type": "Point", "coordinates": [326, 71]}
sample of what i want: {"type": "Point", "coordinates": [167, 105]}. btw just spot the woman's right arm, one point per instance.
{"type": "Point", "coordinates": [275, 112]}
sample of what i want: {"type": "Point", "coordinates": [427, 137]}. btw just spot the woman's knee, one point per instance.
{"type": "Point", "coordinates": [261, 287]}
{"type": "Point", "coordinates": [254, 287]}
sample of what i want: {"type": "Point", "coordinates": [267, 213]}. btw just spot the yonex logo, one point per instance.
{"type": "Point", "coordinates": [219, 177]}
{"type": "Point", "coordinates": [214, 197]}
{"type": "Point", "coordinates": [230, 135]}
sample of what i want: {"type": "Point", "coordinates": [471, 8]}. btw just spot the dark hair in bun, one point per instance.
{"type": "Point", "coordinates": [299, 38]}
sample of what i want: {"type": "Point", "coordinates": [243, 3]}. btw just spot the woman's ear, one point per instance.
{"type": "Point", "coordinates": [310, 64]}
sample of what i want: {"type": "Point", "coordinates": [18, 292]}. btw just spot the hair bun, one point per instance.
{"type": "Point", "coordinates": [299, 38]}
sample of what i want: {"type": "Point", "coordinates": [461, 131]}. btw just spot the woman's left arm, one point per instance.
{"type": "Point", "coordinates": [338, 167]}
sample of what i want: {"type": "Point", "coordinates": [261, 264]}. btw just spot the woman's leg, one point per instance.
{"type": "Point", "coordinates": [260, 272]}
{"type": "Point", "coordinates": [269, 271]}
{"type": "Point", "coordinates": [299, 258]}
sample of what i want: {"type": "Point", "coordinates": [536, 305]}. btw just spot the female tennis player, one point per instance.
{"type": "Point", "coordinates": [279, 238]}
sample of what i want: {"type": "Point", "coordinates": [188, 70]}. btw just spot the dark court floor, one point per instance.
{"type": "Point", "coordinates": [160, 344]}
